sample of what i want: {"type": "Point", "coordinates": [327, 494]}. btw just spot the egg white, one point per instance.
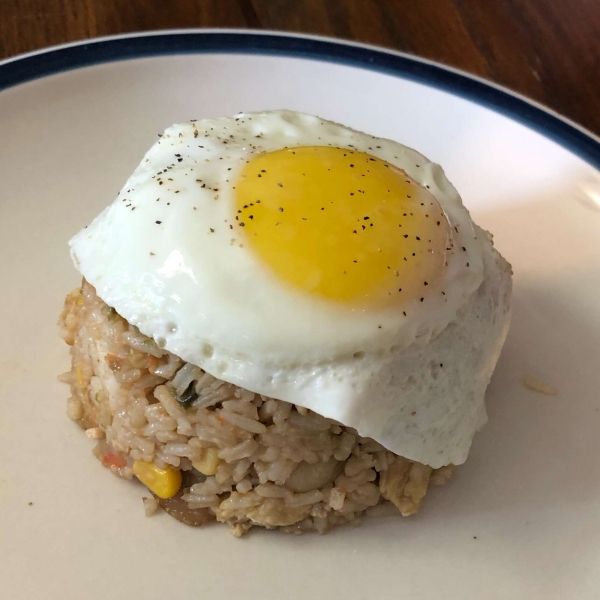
{"type": "Point", "coordinates": [166, 256]}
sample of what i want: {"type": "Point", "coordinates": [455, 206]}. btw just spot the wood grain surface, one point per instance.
{"type": "Point", "coordinates": [548, 50]}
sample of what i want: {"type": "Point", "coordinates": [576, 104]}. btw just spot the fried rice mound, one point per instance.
{"type": "Point", "coordinates": [211, 451]}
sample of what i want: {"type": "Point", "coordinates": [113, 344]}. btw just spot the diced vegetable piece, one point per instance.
{"type": "Point", "coordinates": [165, 483]}
{"type": "Point", "coordinates": [209, 462]}
{"type": "Point", "coordinates": [188, 396]}
{"type": "Point", "coordinates": [179, 509]}
{"type": "Point", "coordinates": [113, 460]}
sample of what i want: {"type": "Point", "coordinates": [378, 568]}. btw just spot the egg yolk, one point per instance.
{"type": "Point", "coordinates": [342, 225]}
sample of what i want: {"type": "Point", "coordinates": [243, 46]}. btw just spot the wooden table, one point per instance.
{"type": "Point", "coordinates": [548, 50]}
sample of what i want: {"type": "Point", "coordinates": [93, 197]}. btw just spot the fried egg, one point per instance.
{"type": "Point", "coordinates": [315, 264]}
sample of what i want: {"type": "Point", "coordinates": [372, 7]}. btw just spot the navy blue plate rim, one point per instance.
{"type": "Point", "coordinates": [103, 50]}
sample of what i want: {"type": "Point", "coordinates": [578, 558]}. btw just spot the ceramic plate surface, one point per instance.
{"type": "Point", "coordinates": [522, 517]}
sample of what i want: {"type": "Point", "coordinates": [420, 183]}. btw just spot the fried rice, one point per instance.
{"type": "Point", "coordinates": [242, 458]}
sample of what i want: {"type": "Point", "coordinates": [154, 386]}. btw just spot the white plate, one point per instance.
{"type": "Point", "coordinates": [520, 520]}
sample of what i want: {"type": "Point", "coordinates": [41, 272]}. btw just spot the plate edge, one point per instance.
{"type": "Point", "coordinates": [130, 46]}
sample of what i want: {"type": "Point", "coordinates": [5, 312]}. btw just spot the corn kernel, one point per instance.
{"type": "Point", "coordinates": [209, 461]}
{"type": "Point", "coordinates": [165, 483]}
